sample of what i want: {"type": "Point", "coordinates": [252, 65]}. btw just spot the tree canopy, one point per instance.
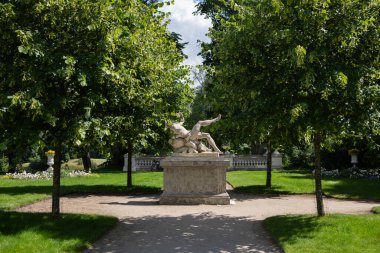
{"type": "Point", "coordinates": [304, 67]}
{"type": "Point", "coordinates": [82, 72]}
{"type": "Point", "coordinates": [66, 66]}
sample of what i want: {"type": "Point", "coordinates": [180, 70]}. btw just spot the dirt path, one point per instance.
{"type": "Point", "coordinates": [148, 227]}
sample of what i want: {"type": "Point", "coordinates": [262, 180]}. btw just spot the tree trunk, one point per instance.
{"type": "Point", "coordinates": [130, 153]}
{"type": "Point", "coordinates": [256, 148]}
{"type": "Point", "coordinates": [56, 183]}
{"type": "Point", "coordinates": [269, 168]}
{"type": "Point", "coordinates": [318, 174]}
{"type": "Point", "coordinates": [11, 162]}
{"type": "Point", "coordinates": [86, 160]}
{"type": "Point", "coordinates": [117, 153]}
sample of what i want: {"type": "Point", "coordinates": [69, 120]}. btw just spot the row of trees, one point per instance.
{"type": "Point", "coordinates": [81, 73]}
{"type": "Point", "coordinates": [281, 70]}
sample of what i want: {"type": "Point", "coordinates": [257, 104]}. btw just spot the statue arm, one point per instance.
{"type": "Point", "coordinates": [182, 119]}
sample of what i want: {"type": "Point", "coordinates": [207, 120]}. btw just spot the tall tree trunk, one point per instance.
{"type": "Point", "coordinates": [318, 174]}
{"type": "Point", "coordinates": [256, 148]}
{"type": "Point", "coordinates": [56, 183]}
{"type": "Point", "coordinates": [269, 167]}
{"type": "Point", "coordinates": [130, 153]}
{"type": "Point", "coordinates": [86, 160]}
{"type": "Point", "coordinates": [11, 162]}
{"type": "Point", "coordinates": [117, 153]}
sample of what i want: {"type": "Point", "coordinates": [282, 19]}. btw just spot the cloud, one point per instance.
{"type": "Point", "coordinates": [192, 27]}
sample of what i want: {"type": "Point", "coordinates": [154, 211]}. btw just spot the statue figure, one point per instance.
{"type": "Point", "coordinates": [186, 141]}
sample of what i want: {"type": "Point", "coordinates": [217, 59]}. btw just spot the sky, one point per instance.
{"type": "Point", "coordinates": [191, 27]}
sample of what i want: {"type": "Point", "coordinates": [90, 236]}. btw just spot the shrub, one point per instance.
{"type": "Point", "coordinates": [37, 166]}
{"type": "Point", "coordinates": [376, 210]}
{"type": "Point", "coordinates": [3, 164]}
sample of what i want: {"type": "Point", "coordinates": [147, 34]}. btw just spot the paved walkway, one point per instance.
{"type": "Point", "coordinates": [148, 227]}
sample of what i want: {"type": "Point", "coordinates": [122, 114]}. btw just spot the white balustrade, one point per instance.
{"type": "Point", "coordinates": [252, 162]}
{"type": "Point", "coordinates": [142, 163]}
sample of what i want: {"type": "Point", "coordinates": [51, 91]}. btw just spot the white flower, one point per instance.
{"type": "Point", "coordinates": [45, 175]}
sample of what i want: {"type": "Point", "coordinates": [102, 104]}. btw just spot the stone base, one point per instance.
{"type": "Point", "coordinates": [194, 199]}
{"type": "Point", "coordinates": [204, 154]}
{"type": "Point", "coordinates": [193, 180]}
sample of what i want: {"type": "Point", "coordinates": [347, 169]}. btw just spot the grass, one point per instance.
{"type": "Point", "coordinates": [38, 232]}
{"type": "Point", "coordinates": [16, 193]}
{"type": "Point", "coordinates": [376, 210]}
{"type": "Point", "coordinates": [332, 233]}
{"type": "Point", "coordinates": [291, 182]}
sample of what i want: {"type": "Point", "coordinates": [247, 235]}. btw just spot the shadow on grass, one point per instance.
{"type": "Point", "coordinates": [300, 176]}
{"type": "Point", "coordinates": [291, 228]}
{"type": "Point", "coordinates": [260, 189]}
{"type": "Point", "coordinates": [352, 188]}
{"type": "Point", "coordinates": [74, 231]}
{"type": "Point", "coordinates": [69, 189]}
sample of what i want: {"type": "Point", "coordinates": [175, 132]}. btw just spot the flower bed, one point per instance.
{"type": "Point", "coordinates": [352, 173]}
{"type": "Point", "coordinates": [45, 175]}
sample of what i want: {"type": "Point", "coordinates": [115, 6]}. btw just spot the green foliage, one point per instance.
{"type": "Point", "coordinates": [3, 164]}
{"type": "Point", "coordinates": [77, 71]}
{"type": "Point", "coordinates": [37, 166]}
{"type": "Point", "coordinates": [333, 233]}
{"type": "Point", "coordinates": [287, 69]}
{"type": "Point", "coordinates": [376, 210]}
{"type": "Point", "coordinates": [298, 156]}
{"type": "Point", "coordinates": [38, 232]}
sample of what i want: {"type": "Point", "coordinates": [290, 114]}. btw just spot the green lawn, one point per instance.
{"type": "Point", "coordinates": [38, 232]}
{"type": "Point", "coordinates": [291, 182]}
{"type": "Point", "coordinates": [332, 233]}
{"type": "Point", "coordinates": [15, 193]}
{"type": "Point", "coordinates": [376, 210]}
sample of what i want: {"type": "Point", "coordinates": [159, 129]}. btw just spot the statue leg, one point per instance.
{"type": "Point", "coordinates": [197, 127]}
{"type": "Point", "coordinates": [210, 141]}
{"type": "Point", "coordinates": [191, 145]}
{"type": "Point", "coordinates": [209, 122]}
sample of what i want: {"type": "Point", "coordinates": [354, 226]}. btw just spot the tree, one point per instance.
{"type": "Point", "coordinates": [304, 67]}
{"type": "Point", "coordinates": [74, 69]}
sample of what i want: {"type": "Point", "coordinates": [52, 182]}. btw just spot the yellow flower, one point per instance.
{"type": "Point", "coordinates": [50, 152]}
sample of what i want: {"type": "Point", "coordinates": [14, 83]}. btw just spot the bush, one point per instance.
{"type": "Point", "coordinates": [37, 166]}
{"type": "Point", "coordinates": [352, 173]}
{"type": "Point", "coordinates": [80, 161]}
{"type": "Point", "coordinates": [376, 210]}
{"type": "Point", "coordinates": [3, 164]}
{"type": "Point", "coordinates": [298, 156]}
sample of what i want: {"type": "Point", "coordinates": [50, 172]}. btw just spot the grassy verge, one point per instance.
{"type": "Point", "coordinates": [376, 210]}
{"type": "Point", "coordinates": [289, 182]}
{"type": "Point", "coordinates": [332, 233]}
{"type": "Point", "coordinates": [37, 232]}
{"type": "Point", "coordinates": [15, 193]}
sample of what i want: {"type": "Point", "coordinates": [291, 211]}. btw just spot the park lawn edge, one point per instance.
{"type": "Point", "coordinates": [295, 183]}
{"type": "Point", "coordinates": [338, 233]}
{"type": "Point", "coordinates": [113, 184]}
{"type": "Point", "coordinates": [70, 233]}
{"type": "Point", "coordinates": [375, 210]}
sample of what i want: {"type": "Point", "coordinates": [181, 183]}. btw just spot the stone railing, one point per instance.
{"type": "Point", "coordinates": [256, 162]}
{"type": "Point", "coordinates": [142, 163]}
{"type": "Point", "coordinates": [251, 162]}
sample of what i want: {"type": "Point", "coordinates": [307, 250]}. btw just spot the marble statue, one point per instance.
{"type": "Point", "coordinates": [186, 141]}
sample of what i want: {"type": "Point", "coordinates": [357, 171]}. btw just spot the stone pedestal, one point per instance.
{"type": "Point", "coordinates": [195, 179]}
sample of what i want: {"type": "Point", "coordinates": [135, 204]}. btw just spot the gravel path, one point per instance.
{"type": "Point", "coordinates": [148, 227]}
